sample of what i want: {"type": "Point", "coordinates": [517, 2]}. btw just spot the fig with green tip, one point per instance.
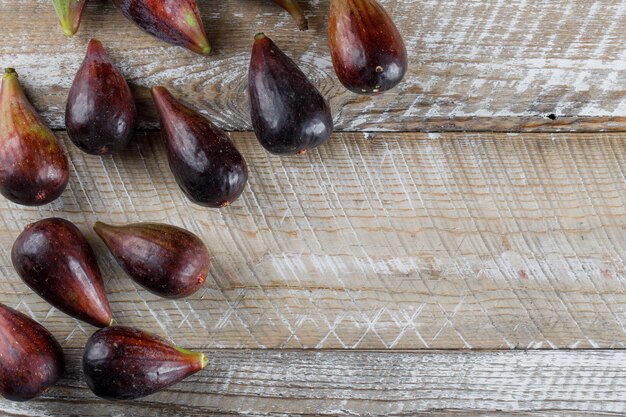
{"type": "Point", "coordinates": [295, 11]}
{"type": "Point", "coordinates": [70, 13]}
{"type": "Point", "coordinates": [289, 114]}
{"type": "Point", "coordinates": [33, 167]}
{"type": "Point", "coordinates": [174, 21]}
{"type": "Point", "coordinates": [206, 164]}
{"type": "Point", "coordinates": [366, 47]}
{"type": "Point", "coordinates": [166, 260]}
{"type": "Point", "coordinates": [100, 113]}
{"type": "Point", "coordinates": [122, 363]}
{"type": "Point", "coordinates": [31, 360]}
{"type": "Point", "coordinates": [55, 260]}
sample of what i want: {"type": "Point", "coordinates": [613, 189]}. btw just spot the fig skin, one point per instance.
{"type": "Point", "coordinates": [55, 260]}
{"type": "Point", "coordinates": [33, 167]}
{"type": "Point", "coordinates": [100, 114]}
{"type": "Point", "coordinates": [70, 14]}
{"type": "Point", "coordinates": [288, 113]}
{"type": "Point", "coordinates": [32, 359]}
{"type": "Point", "coordinates": [206, 164]}
{"type": "Point", "coordinates": [166, 260]}
{"type": "Point", "coordinates": [174, 21]}
{"type": "Point", "coordinates": [294, 10]}
{"type": "Point", "coordinates": [367, 50]}
{"type": "Point", "coordinates": [122, 363]}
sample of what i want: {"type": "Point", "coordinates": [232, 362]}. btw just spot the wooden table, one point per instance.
{"type": "Point", "coordinates": [457, 248]}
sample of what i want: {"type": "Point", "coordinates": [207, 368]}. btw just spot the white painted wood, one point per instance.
{"type": "Point", "coordinates": [392, 241]}
{"type": "Point", "coordinates": [474, 65]}
{"type": "Point", "coordinates": [327, 383]}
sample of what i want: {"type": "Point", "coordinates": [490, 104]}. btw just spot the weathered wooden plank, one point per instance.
{"type": "Point", "coordinates": [264, 383]}
{"type": "Point", "coordinates": [402, 241]}
{"type": "Point", "coordinates": [516, 61]}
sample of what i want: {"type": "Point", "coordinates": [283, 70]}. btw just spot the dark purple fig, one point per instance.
{"type": "Point", "coordinates": [100, 114]}
{"type": "Point", "coordinates": [289, 115]}
{"type": "Point", "coordinates": [121, 363]}
{"type": "Point", "coordinates": [174, 21]}
{"type": "Point", "coordinates": [70, 13]}
{"type": "Point", "coordinates": [33, 167]}
{"type": "Point", "coordinates": [368, 52]}
{"type": "Point", "coordinates": [31, 360]}
{"type": "Point", "coordinates": [206, 164]}
{"type": "Point", "coordinates": [55, 260]}
{"type": "Point", "coordinates": [166, 260]}
{"type": "Point", "coordinates": [294, 10]}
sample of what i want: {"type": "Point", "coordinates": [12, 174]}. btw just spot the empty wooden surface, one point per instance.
{"type": "Point", "coordinates": [393, 241]}
{"type": "Point", "coordinates": [288, 383]}
{"type": "Point", "coordinates": [384, 244]}
{"type": "Point", "coordinates": [474, 65]}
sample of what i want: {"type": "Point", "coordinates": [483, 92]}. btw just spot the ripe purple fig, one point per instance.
{"type": "Point", "coordinates": [70, 13]}
{"type": "Point", "coordinates": [175, 21]}
{"type": "Point", "coordinates": [100, 113]}
{"type": "Point", "coordinates": [289, 115]}
{"type": "Point", "coordinates": [206, 164]}
{"type": "Point", "coordinates": [121, 363]}
{"type": "Point", "coordinates": [368, 52]}
{"type": "Point", "coordinates": [33, 167]}
{"type": "Point", "coordinates": [294, 10]}
{"type": "Point", "coordinates": [55, 260]}
{"type": "Point", "coordinates": [166, 260]}
{"type": "Point", "coordinates": [31, 360]}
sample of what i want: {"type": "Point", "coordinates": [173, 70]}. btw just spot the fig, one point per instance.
{"type": "Point", "coordinates": [206, 164]}
{"type": "Point", "coordinates": [31, 359]}
{"type": "Point", "coordinates": [70, 13]}
{"type": "Point", "coordinates": [294, 10]}
{"type": "Point", "coordinates": [122, 363]}
{"type": "Point", "coordinates": [55, 260]}
{"type": "Point", "coordinates": [174, 21]}
{"type": "Point", "coordinates": [166, 260]}
{"type": "Point", "coordinates": [33, 167]}
{"type": "Point", "coordinates": [289, 115]}
{"type": "Point", "coordinates": [367, 50]}
{"type": "Point", "coordinates": [100, 113]}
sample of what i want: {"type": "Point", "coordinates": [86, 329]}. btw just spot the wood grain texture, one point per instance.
{"type": "Point", "coordinates": [266, 383]}
{"type": "Point", "coordinates": [474, 65]}
{"type": "Point", "coordinates": [391, 241]}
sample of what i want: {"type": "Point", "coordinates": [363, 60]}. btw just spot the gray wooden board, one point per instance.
{"type": "Point", "coordinates": [442, 383]}
{"type": "Point", "coordinates": [395, 241]}
{"type": "Point", "coordinates": [474, 65]}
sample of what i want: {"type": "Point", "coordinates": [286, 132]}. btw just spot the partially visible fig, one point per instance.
{"type": "Point", "coordinates": [55, 260]}
{"type": "Point", "coordinates": [122, 363]}
{"type": "Point", "coordinates": [174, 21]}
{"type": "Point", "coordinates": [70, 13]}
{"type": "Point", "coordinates": [206, 164]}
{"type": "Point", "coordinates": [100, 113]}
{"type": "Point", "coordinates": [31, 360]}
{"type": "Point", "coordinates": [289, 114]}
{"type": "Point", "coordinates": [166, 260]}
{"type": "Point", "coordinates": [33, 167]}
{"type": "Point", "coordinates": [294, 10]}
{"type": "Point", "coordinates": [367, 49]}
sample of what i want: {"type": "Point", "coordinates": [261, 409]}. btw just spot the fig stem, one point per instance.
{"type": "Point", "coordinates": [259, 35]}
{"type": "Point", "coordinates": [204, 359]}
{"type": "Point", "coordinates": [10, 72]}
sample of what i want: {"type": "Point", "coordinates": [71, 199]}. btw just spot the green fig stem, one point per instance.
{"type": "Point", "coordinates": [259, 35]}
{"type": "Point", "coordinates": [69, 16]}
{"type": "Point", "coordinates": [10, 72]}
{"type": "Point", "coordinates": [206, 50]}
{"type": "Point", "coordinates": [202, 358]}
{"type": "Point", "coordinates": [294, 10]}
